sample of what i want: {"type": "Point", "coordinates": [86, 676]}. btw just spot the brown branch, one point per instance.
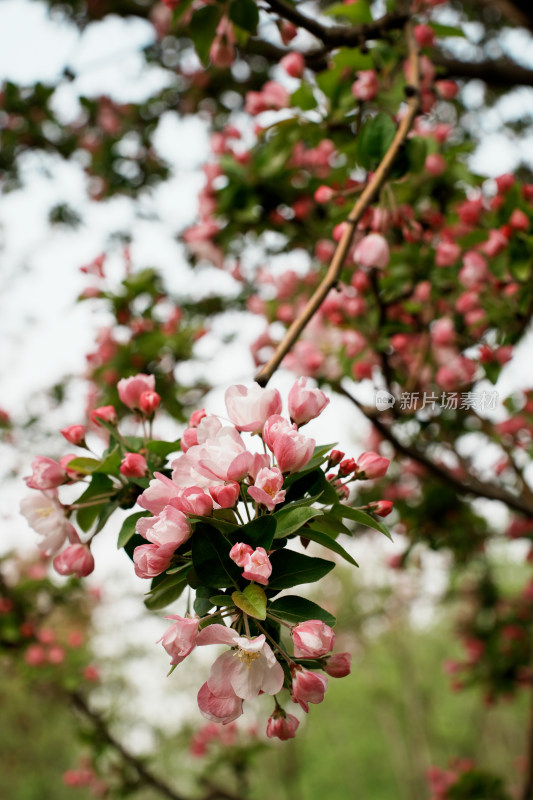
{"type": "Point", "coordinates": [500, 74]}
{"type": "Point", "coordinates": [340, 35]}
{"type": "Point", "coordinates": [146, 775]}
{"type": "Point", "coordinates": [471, 486]}
{"type": "Point", "coordinates": [369, 194]}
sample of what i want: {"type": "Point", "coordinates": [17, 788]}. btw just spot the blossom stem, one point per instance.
{"type": "Point", "coordinates": [245, 504]}
{"type": "Point", "coordinates": [246, 624]}
{"type": "Point", "coordinates": [285, 655]}
{"type": "Point", "coordinates": [281, 621]}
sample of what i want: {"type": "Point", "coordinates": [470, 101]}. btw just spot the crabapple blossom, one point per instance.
{"type": "Point", "coordinates": [305, 404]}
{"type": "Point", "coordinates": [104, 414]}
{"type": "Point", "coordinates": [249, 408]}
{"type": "Point", "coordinates": [45, 515]}
{"type": "Point", "coordinates": [222, 709]}
{"type": "Point", "coordinates": [180, 638]}
{"type": "Point", "coordinates": [152, 559]}
{"type": "Point", "coordinates": [75, 434]}
{"type": "Point", "coordinates": [131, 389]}
{"type": "Point", "coordinates": [282, 726]}
{"type": "Point", "coordinates": [225, 495]}
{"type": "Point", "coordinates": [293, 64]}
{"type": "Point", "coordinates": [308, 687]}
{"type": "Point", "coordinates": [149, 402]}
{"type": "Point", "coordinates": [257, 566]}
{"type": "Point", "coordinates": [267, 489]}
{"type": "Point", "coordinates": [134, 466]}
{"type": "Point", "coordinates": [240, 553]}
{"type": "Point", "coordinates": [312, 639]}
{"type": "Point", "coordinates": [292, 450]}
{"type": "Point", "coordinates": [372, 251]}
{"type": "Point", "coordinates": [250, 669]}
{"type": "Point", "coordinates": [193, 501]}
{"type": "Point", "coordinates": [366, 86]}
{"type": "Point", "coordinates": [76, 559]}
{"type": "Point", "coordinates": [171, 526]}
{"type": "Point", "coordinates": [372, 465]}
{"type": "Point", "coordinates": [338, 665]}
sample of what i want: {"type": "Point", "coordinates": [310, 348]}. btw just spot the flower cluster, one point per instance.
{"type": "Point", "coordinates": [218, 518]}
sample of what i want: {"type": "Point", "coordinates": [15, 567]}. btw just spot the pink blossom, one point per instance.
{"type": "Point", "coordinates": [250, 408]}
{"type": "Point", "coordinates": [308, 687]}
{"type": "Point", "coordinates": [282, 726]}
{"type": "Point", "coordinates": [193, 501]}
{"type": "Point", "coordinates": [75, 434]}
{"type": "Point", "coordinates": [189, 438]}
{"type": "Point", "coordinates": [505, 182]}
{"type": "Point", "coordinates": [474, 270]}
{"type": "Point", "coordinates": [424, 35]}
{"type": "Point", "coordinates": [338, 665]}
{"type": "Point", "coordinates": [435, 164]}
{"type": "Point", "coordinates": [292, 450]}
{"type": "Point", "coordinates": [443, 332]}
{"type": "Point", "coordinates": [76, 559]}
{"type": "Point", "coordinates": [293, 64]}
{"type": "Point", "coordinates": [196, 417]}
{"type": "Point", "coordinates": [275, 425]}
{"type": "Point", "coordinates": [447, 254]}
{"type": "Point", "coordinates": [170, 527]}
{"type": "Point", "coordinates": [222, 51]}
{"type": "Point", "coordinates": [225, 495]}
{"type": "Point", "coordinates": [448, 90]}
{"type": "Point", "coordinates": [246, 671]}
{"type": "Point", "coordinates": [220, 456]}
{"type": "Point", "coordinates": [159, 494]}
{"type": "Point", "coordinates": [104, 413]}
{"type": "Point", "coordinates": [219, 709]}
{"type": "Point", "coordinates": [257, 567]}
{"type": "Point", "coordinates": [46, 516]}
{"type": "Point", "coordinates": [366, 86]}
{"type": "Point", "coordinates": [519, 221]}
{"type": "Point", "coordinates": [260, 461]}
{"type": "Point", "coordinates": [267, 488]}
{"type": "Point", "coordinates": [323, 195]}
{"type": "Point", "coordinates": [149, 402]}
{"type": "Point", "coordinates": [180, 638]}
{"type": "Point", "coordinates": [134, 465]}
{"type": "Point", "coordinates": [372, 251]}
{"type": "Point", "coordinates": [312, 639]}
{"type": "Point", "coordinates": [305, 404]}
{"type": "Point", "coordinates": [240, 553]}
{"type": "Point", "coordinates": [151, 559]}
{"type": "Point", "coordinates": [495, 244]}
{"type": "Point", "coordinates": [47, 474]}
{"type": "Point", "coordinates": [381, 507]}
{"type": "Point", "coordinates": [131, 389]}
{"type": "Point", "coordinates": [372, 465]}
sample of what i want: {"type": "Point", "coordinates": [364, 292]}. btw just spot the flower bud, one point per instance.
{"type": "Point", "coordinates": [338, 665]}
{"type": "Point", "coordinates": [372, 251]}
{"type": "Point", "coordinates": [149, 403]}
{"type": "Point", "coordinates": [75, 434]}
{"type": "Point", "coordinates": [371, 465]}
{"type": "Point", "coordinates": [134, 466]}
{"type": "Point", "coordinates": [308, 687]}
{"type": "Point", "coordinates": [225, 495]}
{"type": "Point", "coordinates": [293, 64]}
{"type": "Point", "coordinates": [381, 507]}
{"type": "Point", "coordinates": [105, 414]}
{"type": "Point", "coordinates": [312, 639]}
{"type": "Point", "coordinates": [76, 559]}
{"type": "Point", "coordinates": [282, 726]}
{"type": "Point", "coordinates": [335, 457]}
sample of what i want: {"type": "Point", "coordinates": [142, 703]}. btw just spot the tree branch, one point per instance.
{"type": "Point", "coordinates": [500, 74]}
{"type": "Point", "coordinates": [368, 195]}
{"type": "Point", "coordinates": [472, 486]}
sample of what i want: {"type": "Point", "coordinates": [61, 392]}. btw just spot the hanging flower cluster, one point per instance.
{"type": "Point", "coordinates": [218, 518]}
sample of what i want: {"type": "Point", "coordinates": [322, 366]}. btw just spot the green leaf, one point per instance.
{"type": "Point", "coordinates": [353, 58]}
{"type": "Point", "coordinates": [257, 533]}
{"type": "Point", "coordinates": [134, 542]}
{"type": "Point", "coordinates": [85, 466]}
{"type": "Point", "coordinates": [202, 28]}
{"type": "Point", "coordinates": [163, 448]}
{"type": "Point", "coordinates": [330, 543]}
{"type": "Point", "coordinates": [330, 525]}
{"type": "Point", "coordinates": [361, 517]}
{"type": "Point", "coordinates": [416, 151]}
{"type": "Point", "coordinates": [252, 601]}
{"type": "Point", "coordinates": [221, 600]}
{"type": "Point", "coordinates": [304, 98]}
{"type": "Point", "coordinates": [294, 609]}
{"type": "Point", "coordinates": [290, 569]}
{"type": "Point", "coordinates": [180, 10]}
{"type": "Point", "coordinates": [128, 527]}
{"type": "Point", "coordinates": [446, 30]}
{"type": "Point", "coordinates": [356, 13]}
{"type": "Point", "coordinates": [220, 524]}
{"type": "Point", "coordinates": [210, 555]}
{"type": "Point", "coordinates": [85, 517]}
{"type": "Point", "coordinates": [245, 14]}
{"type": "Point", "coordinates": [374, 140]}
{"type": "Point", "coordinates": [111, 462]}
{"type": "Point", "coordinates": [292, 519]}
{"type": "Point", "coordinates": [167, 590]}
{"type": "Point", "coordinates": [202, 602]}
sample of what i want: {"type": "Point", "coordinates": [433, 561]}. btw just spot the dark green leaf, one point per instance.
{"type": "Point", "coordinates": [210, 555]}
{"type": "Point", "coordinates": [128, 527]}
{"type": "Point", "coordinates": [297, 609]}
{"type": "Point", "coordinates": [111, 462]}
{"type": "Point", "coordinates": [292, 519]}
{"type": "Point", "coordinates": [303, 98]}
{"type": "Point", "coordinates": [290, 569]}
{"type": "Point", "coordinates": [202, 602]}
{"type": "Point", "coordinates": [330, 543]}
{"type": "Point", "coordinates": [166, 591]}
{"type": "Point", "coordinates": [361, 517]}
{"type": "Point", "coordinates": [202, 28]}
{"type": "Point", "coordinates": [374, 140]}
{"type": "Point", "coordinates": [245, 14]}
{"type": "Point", "coordinates": [257, 533]}
{"type": "Point", "coordinates": [163, 448]}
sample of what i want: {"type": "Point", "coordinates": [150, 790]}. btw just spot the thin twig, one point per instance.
{"type": "Point", "coordinates": [369, 194]}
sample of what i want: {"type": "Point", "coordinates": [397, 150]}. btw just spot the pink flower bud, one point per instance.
{"type": "Point", "coordinates": [447, 254]}
{"type": "Point", "coordinates": [346, 466]}
{"type": "Point", "coordinates": [305, 404]}
{"type": "Point", "coordinates": [149, 402]}
{"type": "Point", "coordinates": [338, 665]}
{"type": "Point", "coordinates": [312, 639]}
{"type": "Point", "coordinates": [76, 559]}
{"type": "Point", "coordinates": [257, 566]}
{"type": "Point", "coordinates": [424, 35]}
{"type": "Point", "coordinates": [447, 89]}
{"type": "Point", "coordinates": [293, 64]}
{"type": "Point", "coordinates": [180, 638]}
{"type": "Point", "coordinates": [134, 466]}
{"type": "Point", "coordinates": [75, 434]}
{"type": "Point", "coordinates": [372, 251]}
{"type": "Point", "coordinates": [366, 86]}
{"type": "Point", "coordinates": [324, 194]}
{"type": "Point", "coordinates": [292, 450]}
{"type": "Point", "coordinates": [225, 495]}
{"type": "Point", "coordinates": [152, 559]}
{"type": "Point", "coordinates": [282, 726]}
{"type": "Point", "coordinates": [435, 164]}
{"type": "Point", "coordinates": [287, 31]}
{"type": "Point", "coordinates": [131, 389]}
{"type": "Point", "coordinates": [495, 244]}
{"type": "Point", "coordinates": [308, 687]}
{"type": "Point", "coordinates": [104, 413]}
{"type": "Point", "coordinates": [372, 465]}
{"type": "Point", "coordinates": [519, 221]}
{"type": "Point", "coordinates": [381, 507]}
{"type": "Point", "coordinates": [194, 501]}
{"type": "Point", "coordinates": [505, 182]}
{"type": "Point", "coordinates": [240, 553]}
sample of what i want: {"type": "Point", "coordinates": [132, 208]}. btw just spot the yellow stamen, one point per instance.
{"type": "Point", "coordinates": [246, 657]}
